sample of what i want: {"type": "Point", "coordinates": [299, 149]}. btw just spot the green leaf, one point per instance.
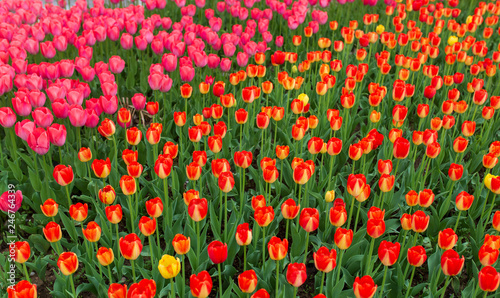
{"type": "Point", "coordinates": [70, 227]}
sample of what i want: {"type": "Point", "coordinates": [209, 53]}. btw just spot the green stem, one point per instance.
{"type": "Point", "coordinates": [13, 153]}
{"type": "Point", "coordinates": [263, 245]}
{"type": "Point", "coordinates": [307, 244]}
{"type": "Point", "coordinates": [172, 291]}
{"type": "Point", "coordinates": [151, 252]}
{"type": "Point", "coordinates": [322, 282]}
{"type": "Point", "coordinates": [357, 217]}
{"type": "Point", "coordinates": [220, 281]}
{"type": "Point", "coordinates": [411, 279]}
{"type": "Point", "coordinates": [166, 208]}
{"type": "Point", "coordinates": [350, 213]}
{"type": "Point", "coordinates": [458, 219]}
{"type": "Point", "coordinates": [286, 230]}
{"type": "Point", "coordinates": [369, 263]}
{"type": "Point", "coordinates": [133, 270]}
{"type": "Point", "coordinates": [131, 212]}
{"type": "Point", "coordinates": [339, 266]}
{"type": "Point", "coordinates": [383, 281]}
{"type": "Point", "coordinates": [242, 190]}
{"type": "Point", "coordinates": [110, 275]}
{"type": "Point", "coordinates": [26, 272]}
{"type": "Point", "coordinates": [72, 285]}
{"type": "Point", "coordinates": [225, 218]}
{"type": "Point", "coordinates": [67, 194]}
{"type": "Point", "coordinates": [445, 285]}
{"type": "Point", "coordinates": [100, 267]}
{"type": "Point", "coordinates": [244, 258]}
{"type": "Point", "coordinates": [277, 277]}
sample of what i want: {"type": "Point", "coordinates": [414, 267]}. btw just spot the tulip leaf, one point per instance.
{"type": "Point", "coordinates": [16, 170]}
{"type": "Point", "coordinates": [69, 226]}
{"type": "Point", "coordinates": [35, 180]}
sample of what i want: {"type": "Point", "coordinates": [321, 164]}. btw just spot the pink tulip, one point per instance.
{"type": "Point", "coordinates": [11, 201]}
{"type": "Point", "coordinates": [51, 71]}
{"type": "Point", "coordinates": [42, 117]}
{"type": "Point", "coordinates": [109, 104]}
{"type": "Point", "coordinates": [19, 65]}
{"type": "Point", "coordinates": [225, 64]}
{"type": "Point", "coordinates": [166, 83]}
{"type": "Point", "coordinates": [7, 117]}
{"type": "Point", "coordinates": [48, 50]}
{"type": "Point", "coordinates": [169, 62]}
{"type": "Point", "coordinates": [154, 80]}
{"type": "Point", "coordinates": [38, 140]}
{"type": "Point", "coordinates": [157, 46]}
{"type": "Point", "coordinates": [60, 108]}
{"type": "Point", "coordinates": [139, 101]}
{"type": "Point", "coordinates": [60, 43]}
{"type": "Point", "coordinates": [178, 49]}
{"type": "Point", "coordinates": [229, 49]}
{"type": "Point", "coordinates": [241, 59]}
{"type": "Point", "coordinates": [113, 33]}
{"type": "Point", "coordinates": [126, 41]}
{"type": "Point", "coordinates": [116, 64]}
{"type": "Point", "coordinates": [24, 128]}
{"type": "Point", "coordinates": [186, 73]}
{"type": "Point", "coordinates": [77, 116]}
{"type": "Point", "coordinates": [21, 105]}
{"type": "Point", "coordinates": [88, 73]}
{"type": "Point", "coordinates": [141, 43]}
{"type": "Point", "coordinates": [92, 118]}
{"type": "Point", "coordinates": [279, 41]}
{"type": "Point", "coordinates": [31, 46]}
{"type": "Point", "coordinates": [57, 134]}
{"type": "Point", "coordinates": [213, 61]}
{"type": "Point", "coordinates": [37, 98]}
{"type": "Point", "coordinates": [109, 88]}
{"type": "Point", "coordinates": [86, 52]}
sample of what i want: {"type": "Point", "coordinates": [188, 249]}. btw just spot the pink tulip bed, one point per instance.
{"type": "Point", "coordinates": [255, 148]}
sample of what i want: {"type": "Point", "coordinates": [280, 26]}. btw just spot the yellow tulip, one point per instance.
{"type": "Point", "coordinates": [380, 29]}
{"type": "Point", "coordinates": [487, 180]}
{"type": "Point", "coordinates": [452, 40]}
{"type": "Point", "coordinates": [169, 266]}
{"type": "Point", "coordinates": [330, 196]}
{"type": "Point", "coordinates": [304, 98]}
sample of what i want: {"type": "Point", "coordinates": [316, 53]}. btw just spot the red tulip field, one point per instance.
{"type": "Point", "coordinates": [249, 148]}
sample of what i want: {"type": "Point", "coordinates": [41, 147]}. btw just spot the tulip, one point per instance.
{"type": "Point", "coordinates": [93, 232]}
{"type": "Point", "coordinates": [114, 213]}
{"type": "Point", "coordinates": [49, 208]}
{"type": "Point", "coordinates": [145, 288]}
{"type": "Point", "coordinates": [364, 287]}
{"type": "Point", "coordinates": [487, 255]}
{"type": "Point", "coordinates": [451, 263]}
{"type": "Point", "coordinates": [416, 257]}
{"type": "Point", "coordinates": [489, 279]}
{"type": "Point", "coordinates": [388, 253]}
{"type": "Point", "coordinates": [200, 284]}
{"type": "Point", "coordinates": [78, 211]}
{"type": "Point", "coordinates": [325, 260]}
{"type": "Point", "coordinates": [169, 267]}
{"type": "Point", "coordinates": [296, 274]}
{"type": "Point", "coordinates": [247, 281]}
{"type": "Point", "coordinates": [217, 252]}
{"type": "Point", "coordinates": [447, 239]}
{"type": "Point", "coordinates": [130, 248]}
{"type": "Point", "coordinates": [181, 244]}
{"type": "Point", "coordinates": [147, 226]}
{"type": "Point", "coordinates": [105, 256]}
{"type": "Point", "coordinates": [101, 168]}
{"type": "Point", "coordinates": [22, 289]}
{"type": "Point", "coordinates": [419, 221]}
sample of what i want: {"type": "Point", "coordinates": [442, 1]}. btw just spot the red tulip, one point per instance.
{"type": "Point", "coordinates": [487, 255]}
{"type": "Point", "coordinates": [200, 284]}
{"type": "Point", "coordinates": [375, 227]}
{"type": "Point", "coordinates": [277, 248]}
{"type": "Point", "coordinates": [416, 256]}
{"type": "Point", "coordinates": [23, 289]}
{"type": "Point", "coordinates": [63, 174]}
{"type": "Point", "coordinates": [130, 246]}
{"type": "Point", "coordinates": [264, 215]}
{"type": "Point", "coordinates": [309, 219]}
{"type": "Point", "coordinates": [489, 279]}
{"type": "Point", "coordinates": [364, 287]}
{"type": "Point", "coordinates": [247, 281]}
{"type": "Point", "coordinates": [114, 213]}
{"type": "Point", "coordinates": [447, 239]}
{"type": "Point", "coordinates": [419, 221]}
{"type": "Point", "coordinates": [451, 263]}
{"type": "Point", "coordinates": [388, 252]}
{"type": "Point", "coordinates": [289, 209]}
{"type": "Point", "coordinates": [325, 260]}
{"type": "Point", "coordinates": [243, 234]}
{"type": "Point", "coordinates": [67, 263]}
{"type": "Point", "coordinates": [93, 232]}
{"type": "Point", "coordinates": [296, 274]}
{"type": "Point", "coordinates": [217, 252]}
{"type": "Point", "coordinates": [343, 238]}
